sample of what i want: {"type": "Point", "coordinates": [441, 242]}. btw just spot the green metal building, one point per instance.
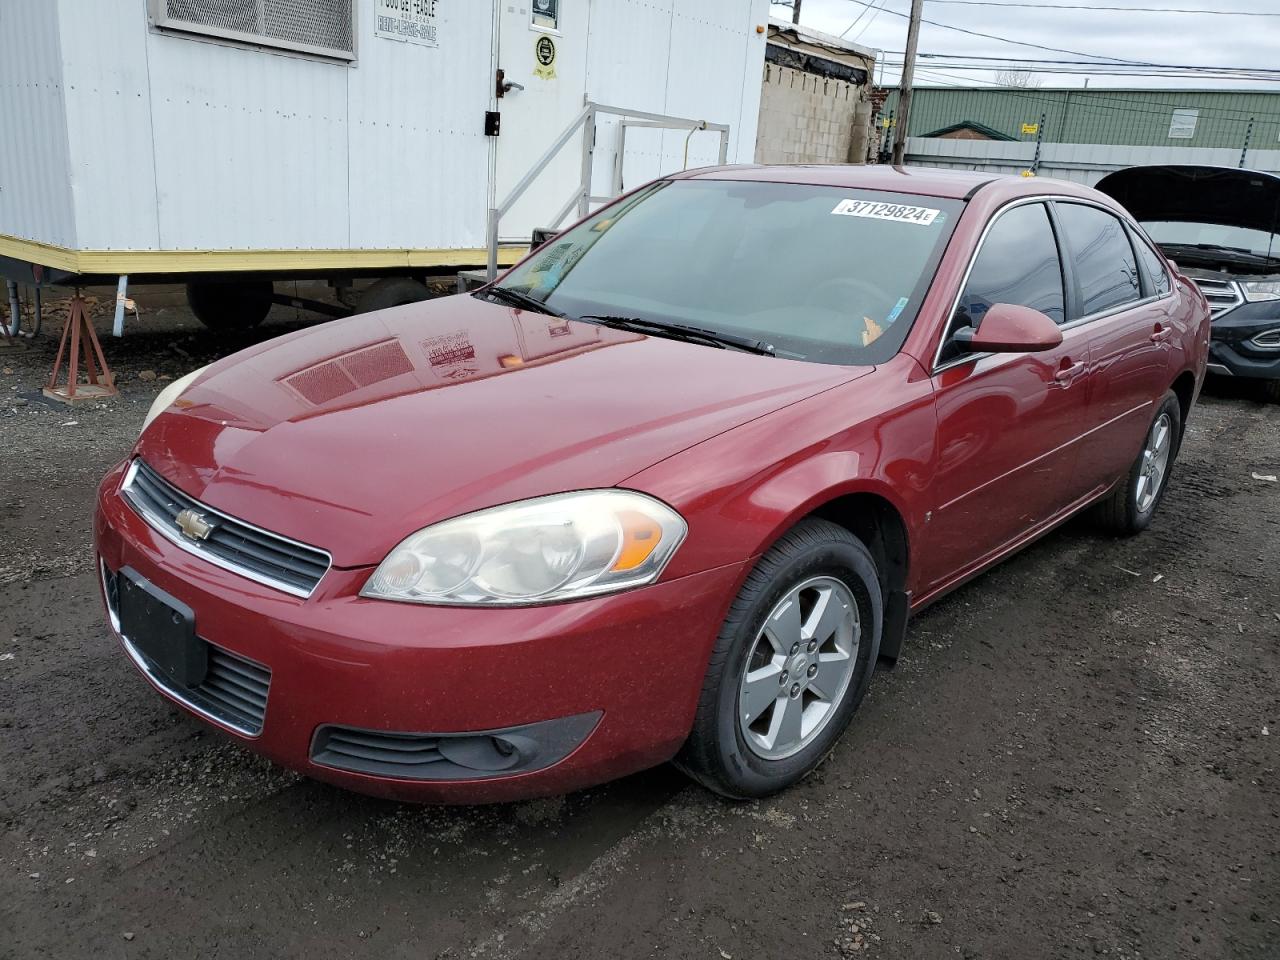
{"type": "Point", "coordinates": [1149, 118]}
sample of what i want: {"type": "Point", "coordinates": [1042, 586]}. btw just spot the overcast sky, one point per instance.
{"type": "Point", "coordinates": [1166, 38]}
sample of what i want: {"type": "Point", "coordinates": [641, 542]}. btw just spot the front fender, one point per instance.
{"type": "Point", "coordinates": [742, 490]}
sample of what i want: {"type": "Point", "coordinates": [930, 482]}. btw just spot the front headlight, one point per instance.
{"type": "Point", "coordinates": [164, 399]}
{"type": "Point", "coordinates": [1260, 289]}
{"type": "Point", "coordinates": [561, 547]}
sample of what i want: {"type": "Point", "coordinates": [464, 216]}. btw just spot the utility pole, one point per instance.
{"type": "Point", "coordinates": [904, 96]}
{"type": "Point", "coordinates": [795, 11]}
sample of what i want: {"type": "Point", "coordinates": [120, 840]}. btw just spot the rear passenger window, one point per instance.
{"type": "Point", "coordinates": [1102, 256]}
{"type": "Point", "coordinates": [1154, 267]}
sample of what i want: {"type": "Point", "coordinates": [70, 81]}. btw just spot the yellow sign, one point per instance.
{"type": "Point", "coordinates": [544, 52]}
{"type": "Point", "coordinates": [1031, 129]}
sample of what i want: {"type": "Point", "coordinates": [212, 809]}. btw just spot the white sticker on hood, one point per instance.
{"type": "Point", "coordinates": [921, 216]}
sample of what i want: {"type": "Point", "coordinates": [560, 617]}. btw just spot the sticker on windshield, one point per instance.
{"type": "Point", "coordinates": [896, 312]}
{"type": "Point", "coordinates": [920, 216]}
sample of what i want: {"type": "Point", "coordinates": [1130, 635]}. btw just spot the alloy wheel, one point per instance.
{"type": "Point", "coordinates": [1155, 463]}
{"type": "Point", "coordinates": [799, 668]}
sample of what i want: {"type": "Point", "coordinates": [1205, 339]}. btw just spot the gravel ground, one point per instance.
{"type": "Point", "coordinates": [1077, 755]}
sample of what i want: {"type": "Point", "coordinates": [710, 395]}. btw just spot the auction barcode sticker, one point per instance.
{"type": "Point", "coordinates": [921, 216]}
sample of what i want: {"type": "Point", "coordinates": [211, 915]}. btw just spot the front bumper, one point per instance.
{"type": "Point", "coordinates": [1233, 350]}
{"type": "Point", "coordinates": [634, 660]}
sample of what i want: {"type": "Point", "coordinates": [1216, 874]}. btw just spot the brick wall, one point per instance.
{"type": "Point", "coordinates": [809, 119]}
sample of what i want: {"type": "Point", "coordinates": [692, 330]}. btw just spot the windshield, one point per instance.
{"type": "Point", "coordinates": [827, 274]}
{"type": "Point", "coordinates": [1182, 233]}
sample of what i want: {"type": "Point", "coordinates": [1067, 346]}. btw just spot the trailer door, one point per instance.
{"type": "Point", "coordinates": [542, 47]}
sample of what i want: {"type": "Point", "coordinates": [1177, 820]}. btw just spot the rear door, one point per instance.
{"type": "Point", "coordinates": [1126, 315]}
{"type": "Point", "coordinates": [1008, 424]}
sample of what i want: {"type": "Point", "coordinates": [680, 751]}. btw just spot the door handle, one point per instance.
{"type": "Point", "coordinates": [1067, 375]}
{"type": "Point", "coordinates": [1162, 333]}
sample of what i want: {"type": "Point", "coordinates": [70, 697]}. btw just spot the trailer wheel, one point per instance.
{"type": "Point", "coordinates": [390, 292]}
{"type": "Point", "coordinates": [230, 306]}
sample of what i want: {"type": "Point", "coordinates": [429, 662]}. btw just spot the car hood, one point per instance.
{"type": "Point", "coordinates": [353, 434]}
{"type": "Point", "coordinates": [1197, 194]}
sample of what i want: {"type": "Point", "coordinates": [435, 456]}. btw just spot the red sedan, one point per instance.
{"type": "Point", "coordinates": [668, 489]}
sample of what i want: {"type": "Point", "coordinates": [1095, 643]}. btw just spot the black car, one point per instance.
{"type": "Point", "coordinates": [1220, 225]}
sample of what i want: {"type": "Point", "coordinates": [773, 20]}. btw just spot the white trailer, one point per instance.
{"type": "Point", "coordinates": [253, 140]}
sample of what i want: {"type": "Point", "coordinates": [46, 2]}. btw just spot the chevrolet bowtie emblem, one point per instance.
{"type": "Point", "coordinates": [193, 525]}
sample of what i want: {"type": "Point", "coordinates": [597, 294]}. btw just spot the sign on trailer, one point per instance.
{"type": "Point", "coordinates": [410, 20]}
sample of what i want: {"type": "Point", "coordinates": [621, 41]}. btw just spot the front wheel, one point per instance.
{"type": "Point", "coordinates": [1130, 508]}
{"type": "Point", "coordinates": [790, 666]}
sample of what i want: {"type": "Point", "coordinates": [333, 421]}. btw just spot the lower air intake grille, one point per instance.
{"type": "Point", "coordinates": [235, 689]}
{"type": "Point", "coordinates": [451, 756]}
{"type": "Point", "coordinates": [1268, 341]}
{"type": "Point", "coordinates": [389, 753]}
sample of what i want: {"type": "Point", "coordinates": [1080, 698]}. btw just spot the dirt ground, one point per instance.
{"type": "Point", "coordinates": [1077, 755]}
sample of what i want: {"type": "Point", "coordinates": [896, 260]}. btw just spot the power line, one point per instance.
{"type": "Point", "coordinates": [858, 19]}
{"type": "Point", "coordinates": [870, 20]}
{"type": "Point", "coordinates": [1020, 43]}
{"type": "Point", "coordinates": [1069, 71]}
{"type": "Point", "coordinates": [1104, 8]}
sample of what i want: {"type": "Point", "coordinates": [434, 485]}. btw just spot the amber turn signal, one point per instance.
{"type": "Point", "coordinates": [640, 535]}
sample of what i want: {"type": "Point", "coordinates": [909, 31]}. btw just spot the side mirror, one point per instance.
{"type": "Point", "coordinates": [1008, 328]}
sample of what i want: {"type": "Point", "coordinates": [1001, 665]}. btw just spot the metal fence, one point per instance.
{"type": "Point", "coordinates": [1085, 163]}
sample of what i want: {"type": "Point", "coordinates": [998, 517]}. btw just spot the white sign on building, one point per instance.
{"type": "Point", "coordinates": [413, 21]}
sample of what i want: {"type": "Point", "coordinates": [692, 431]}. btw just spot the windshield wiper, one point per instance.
{"type": "Point", "coordinates": [516, 298]}
{"type": "Point", "coordinates": [1220, 249]}
{"type": "Point", "coordinates": [678, 331]}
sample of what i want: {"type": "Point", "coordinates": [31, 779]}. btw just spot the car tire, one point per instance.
{"type": "Point", "coordinates": [391, 292]}
{"type": "Point", "coordinates": [1271, 390]}
{"type": "Point", "coordinates": [1129, 509]}
{"type": "Point", "coordinates": [815, 559]}
{"type": "Point", "coordinates": [230, 306]}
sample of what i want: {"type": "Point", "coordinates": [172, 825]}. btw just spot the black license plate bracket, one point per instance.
{"type": "Point", "coordinates": [162, 629]}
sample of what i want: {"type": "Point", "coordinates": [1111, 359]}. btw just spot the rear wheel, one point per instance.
{"type": "Point", "coordinates": [790, 666]}
{"type": "Point", "coordinates": [230, 306]}
{"type": "Point", "coordinates": [1130, 508]}
{"type": "Point", "coordinates": [391, 292]}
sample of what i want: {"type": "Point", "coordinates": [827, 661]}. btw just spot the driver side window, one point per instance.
{"type": "Point", "coordinates": [1017, 264]}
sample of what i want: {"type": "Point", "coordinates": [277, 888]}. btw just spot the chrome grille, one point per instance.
{"type": "Point", "coordinates": [1223, 295]}
{"type": "Point", "coordinates": [231, 544]}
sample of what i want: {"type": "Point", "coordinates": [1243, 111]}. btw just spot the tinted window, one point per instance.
{"type": "Point", "coordinates": [1103, 258]}
{"type": "Point", "coordinates": [1018, 264]}
{"type": "Point", "coordinates": [830, 274]}
{"type": "Point", "coordinates": [1154, 268]}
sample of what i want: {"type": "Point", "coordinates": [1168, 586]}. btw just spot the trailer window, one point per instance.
{"type": "Point", "coordinates": [322, 27]}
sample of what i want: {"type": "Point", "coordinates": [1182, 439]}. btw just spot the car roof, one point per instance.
{"type": "Point", "coordinates": [926, 181]}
